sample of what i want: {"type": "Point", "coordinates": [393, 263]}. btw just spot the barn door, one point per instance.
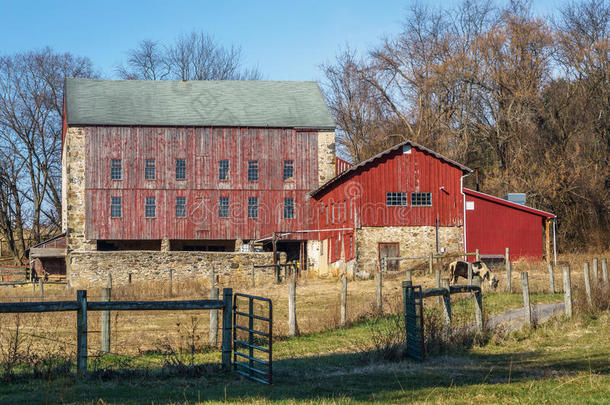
{"type": "Point", "coordinates": [389, 250]}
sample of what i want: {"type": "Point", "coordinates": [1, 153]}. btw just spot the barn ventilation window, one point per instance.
{"type": "Point", "coordinates": [116, 170]}
{"type": "Point", "coordinates": [150, 208]}
{"type": "Point", "coordinates": [223, 170]}
{"type": "Point", "coordinates": [223, 207]}
{"type": "Point", "coordinates": [253, 170]}
{"type": "Point", "coordinates": [289, 208]}
{"type": "Point", "coordinates": [288, 169]}
{"type": "Point", "coordinates": [395, 199]}
{"type": "Point", "coordinates": [421, 199]}
{"type": "Point", "coordinates": [180, 207]}
{"type": "Point", "coordinates": [149, 169]}
{"type": "Point", "coordinates": [180, 169]}
{"type": "Point", "coordinates": [252, 207]}
{"type": "Point", "coordinates": [115, 207]}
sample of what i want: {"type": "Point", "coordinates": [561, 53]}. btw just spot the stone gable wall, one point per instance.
{"type": "Point", "coordinates": [75, 196]}
{"type": "Point", "coordinates": [326, 156]}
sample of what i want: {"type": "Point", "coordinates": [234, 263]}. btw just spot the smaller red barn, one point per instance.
{"type": "Point", "coordinates": [493, 224]}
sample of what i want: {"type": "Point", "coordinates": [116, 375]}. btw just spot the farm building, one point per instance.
{"type": "Point", "coordinates": [405, 201]}
{"type": "Point", "coordinates": [409, 201]}
{"type": "Point", "coordinates": [193, 175]}
{"type": "Point", "coordinates": [494, 224]}
{"type": "Point", "coordinates": [188, 170]}
{"type": "Point", "coordinates": [48, 259]}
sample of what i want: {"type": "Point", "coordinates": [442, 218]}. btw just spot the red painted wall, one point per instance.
{"type": "Point", "coordinates": [492, 227]}
{"type": "Point", "coordinates": [202, 148]}
{"type": "Point", "coordinates": [361, 196]}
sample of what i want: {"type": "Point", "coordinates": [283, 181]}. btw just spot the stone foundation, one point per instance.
{"type": "Point", "coordinates": [412, 240]}
{"type": "Point", "coordinates": [85, 269]}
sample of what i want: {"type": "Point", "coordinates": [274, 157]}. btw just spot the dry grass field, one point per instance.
{"type": "Point", "coordinates": [318, 302]}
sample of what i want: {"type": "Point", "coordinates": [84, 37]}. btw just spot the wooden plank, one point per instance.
{"type": "Point", "coordinates": [47, 252]}
{"type": "Point", "coordinates": [154, 305]}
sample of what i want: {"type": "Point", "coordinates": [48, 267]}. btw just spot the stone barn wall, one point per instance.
{"type": "Point", "coordinates": [86, 269]}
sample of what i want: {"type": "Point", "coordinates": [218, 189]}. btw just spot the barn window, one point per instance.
{"type": "Point", "coordinates": [223, 207]}
{"type": "Point", "coordinates": [288, 169]}
{"type": "Point", "coordinates": [421, 199]}
{"type": "Point", "coordinates": [116, 210]}
{"type": "Point", "coordinates": [180, 207]}
{"type": "Point", "coordinates": [253, 170]}
{"type": "Point", "coordinates": [116, 170]}
{"type": "Point", "coordinates": [150, 208]}
{"type": "Point", "coordinates": [149, 169]}
{"type": "Point", "coordinates": [289, 208]}
{"type": "Point", "coordinates": [223, 170]}
{"type": "Point", "coordinates": [395, 199]}
{"type": "Point", "coordinates": [180, 169]}
{"type": "Point", "coordinates": [252, 207]}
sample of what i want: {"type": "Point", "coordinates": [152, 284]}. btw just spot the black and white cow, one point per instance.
{"type": "Point", "coordinates": [460, 269]}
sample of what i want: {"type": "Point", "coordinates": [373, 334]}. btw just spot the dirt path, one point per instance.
{"type": "Point", "coordinates": [515, 318]}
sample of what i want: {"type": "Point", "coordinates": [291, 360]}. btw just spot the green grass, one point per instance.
{"type": "Point", "coordinates": [559, 362]}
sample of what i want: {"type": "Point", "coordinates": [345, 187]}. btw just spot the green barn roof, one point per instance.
{"type": "Point", "coordinates": [284, 104]}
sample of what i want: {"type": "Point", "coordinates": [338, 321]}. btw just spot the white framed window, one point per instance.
{"type": "Point", "coordinates": [150, 209]}
{"type": "Point", "coordinates": [395, 199]}
{"type": "Point", "coordinates": [116, 169]}
{"type": "Point", "coordinates": [421, 199]}
{"type": "Point", "coordinates": [116, 209]}
{"type": "Point", "coordinates": [180, 207]}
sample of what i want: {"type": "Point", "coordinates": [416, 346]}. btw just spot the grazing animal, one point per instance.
{"type": "Point", "coordinates": [460, 269]}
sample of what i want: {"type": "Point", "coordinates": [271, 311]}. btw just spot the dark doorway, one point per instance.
{"type": "Point", "coordinates": [389, 250]}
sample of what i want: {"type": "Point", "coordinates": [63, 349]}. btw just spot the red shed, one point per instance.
{"type": "Point", "coordinates": [493, 224]}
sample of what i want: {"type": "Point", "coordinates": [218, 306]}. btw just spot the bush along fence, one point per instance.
{"type": "Point", "coordinates": [413, 299]}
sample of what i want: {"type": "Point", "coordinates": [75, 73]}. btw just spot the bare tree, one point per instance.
{"type": "Point", "coordinates": [31, 105]}
{"type": "Point", "coordinates": [194, 56]}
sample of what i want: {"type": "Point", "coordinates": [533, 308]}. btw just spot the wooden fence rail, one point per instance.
{"type": "Point", "coordinates": [81, 305]}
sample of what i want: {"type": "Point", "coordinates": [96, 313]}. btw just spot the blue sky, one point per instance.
{"type": "Point", "coordinates": [287, 40]}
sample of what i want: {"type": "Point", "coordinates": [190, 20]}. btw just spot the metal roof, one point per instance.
{"type": "Point", "coordinates": [510, 204]}
{"type": "Point", "coordinates": [280, 104]}
{"type": "Point", "coordinates": [380, 155]}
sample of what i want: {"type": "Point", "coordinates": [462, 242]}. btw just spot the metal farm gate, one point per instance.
{"type": "Point", "coordinates": [414, 320]}
{"type": "Point", "coordinates": [253, 341]}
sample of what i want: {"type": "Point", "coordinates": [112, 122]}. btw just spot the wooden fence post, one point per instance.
{"type": "Point", "coordinates": [293, 329]}
{"type": "Point", "coordinates": [129, 279]}
{"type": "Point", "coordinates": [508, 277]}
{"type": "Point", "coordinates": [438, 283]}
{"type": "Point", "coordinates": [551, 278]}
{"type": "Point", "coordinates": [379, 283]}
{"type": "Point", "coordinates": [567, 291]}
{"type": "Point", "coordinates": [478, 255]}
{"type": "Point", "coordinates": [81, 333]}
{"type": "Point", "coordinates": [605, 270]}
{"type": "Point", "coordinates": [41, 288]}
{"type": "Point", "coordinates": [447, 308]}
{"type": "Point", "coordinates": [227, 327]}
{"type": "Point", "coordinates": [214, 318]}
{"type": "Point", "coordinates": [109, 280]}
{"type": "Point", "coordinates": [430, 263]}
{"type": "Point", "coordinates": [252, 279]}
{"type": "Point", "coordinates": [106, 294]}
{"type": "Point", "coordinates": [171, 282]}
{"type": "Point", "coordinates": [588, 284]}
{"type": "Point", "coordinates": [526, 298]}
{"type": "Point", "coordinates": [33, 287]}
{"type": "Point", "coordinates": [344, 301]}
{"type": "Point", "coordinates": [409, 275]}
{"type": "Point", "coordinates": [469, 273]}
{"type": "Point", "coordinates": [478, 305]}
{"type": "Point", "coordinates": [595, 271]}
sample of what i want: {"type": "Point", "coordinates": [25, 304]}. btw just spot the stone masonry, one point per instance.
{"type": "Point", "coordinates": [75, 197]}
{"type": "Point", "coordinates": [413, 241]}
{"type": "Point", "coordinates": [326, 156]}
{"type": "Point", "coordinates": [91, 268]}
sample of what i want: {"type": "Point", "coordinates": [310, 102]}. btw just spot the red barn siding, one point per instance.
{"type": "Point", "coordinates": [363, 193]}
{"type": "Point", "coordinates": [495, 224]}
{"type": "Point", "coordinates": [202, 148]}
